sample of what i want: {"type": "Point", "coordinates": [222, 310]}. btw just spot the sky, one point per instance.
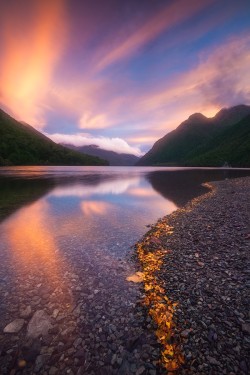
{"type": "Point", "coordinates": [121, 74]}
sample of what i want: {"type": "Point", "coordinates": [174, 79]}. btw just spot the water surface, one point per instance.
{"type": "Point", "coordinates": [65, 239]}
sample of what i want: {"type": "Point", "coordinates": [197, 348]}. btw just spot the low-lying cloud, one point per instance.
{"type": "Point", "coordinates": [113, 144]}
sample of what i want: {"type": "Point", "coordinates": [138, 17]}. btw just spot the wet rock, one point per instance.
{"type": "Point", "coordinates": [39, 324]}
{"type": "Point", "coordinates": [15, 326]}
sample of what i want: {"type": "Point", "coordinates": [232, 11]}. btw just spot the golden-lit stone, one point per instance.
{"type": "Point", "coordinates": [161, 309]}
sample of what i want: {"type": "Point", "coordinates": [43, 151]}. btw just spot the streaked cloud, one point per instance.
{"type": "Point", "coordinates": [165, 19]}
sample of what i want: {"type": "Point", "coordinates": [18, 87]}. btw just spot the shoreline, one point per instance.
{"type": "Point", "coordinates": [195, 274]}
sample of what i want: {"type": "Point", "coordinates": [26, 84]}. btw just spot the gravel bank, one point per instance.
{"type": "Point", "coordinates": [198, 258]}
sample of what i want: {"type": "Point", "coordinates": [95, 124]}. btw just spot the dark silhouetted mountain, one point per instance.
{"type": "Point", "coordinates": [21, 144]}
{"type": "Point", "coordinates": [112, 157]}
{"type": "Point", "coordinates": [231, 146]}
{"type": "Point", "coordinates": [202, 141]}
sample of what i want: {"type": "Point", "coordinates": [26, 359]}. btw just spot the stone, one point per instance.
{"type": "Point", "coordinates": [39, 324]}
{"type": "Point", "coordinates": [140, 370]}
{"type": "Point", "coordinates": [55, 313]}
{"type": "Point", "coordinates": [53, 370]}
{"type": "Point", "coordinates": [40, 362]}
{"type": "Point", "coordinates": [246, 327]}
{"type": "Point", "coordinates": [185, 333]}
{"type": "Point", "coordinates": [25, 313]}
{"type": "Point", "coordinates": [77, 311]}
{"type": "Point", "coordinates": [80, 353]}
{"type": "Point", "coordinates": [15, 326]}
{"type": "Point", "coordinates": [213, 361]}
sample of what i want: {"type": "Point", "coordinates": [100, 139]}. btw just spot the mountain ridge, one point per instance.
{"type": "Point", "coordinates": [21, 144]}
{"type": "Point", "coordinates": [114, 158]}
{"type": "Point", "coordinates": [183, 145]}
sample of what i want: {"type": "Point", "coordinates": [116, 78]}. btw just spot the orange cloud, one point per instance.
{"type": "Point", "coordinates": [29, 55]}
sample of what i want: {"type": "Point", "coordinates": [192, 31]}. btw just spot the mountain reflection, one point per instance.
{"type": "Point", "coordinates": [180, 186]}
{"type": "Point", "coordinates": [16, 192]}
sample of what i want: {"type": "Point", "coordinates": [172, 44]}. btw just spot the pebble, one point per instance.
{"type": "Point", "coordinates": [15, 326]}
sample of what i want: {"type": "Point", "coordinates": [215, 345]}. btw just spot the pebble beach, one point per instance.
{"type": "Point", "coordinates": [196, 275]}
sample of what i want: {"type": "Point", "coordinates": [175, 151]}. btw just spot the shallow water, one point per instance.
{"type": "Point", "coordinates": [65, 239]}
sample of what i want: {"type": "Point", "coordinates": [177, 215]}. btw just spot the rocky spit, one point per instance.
{"type": "Point", "coordinates": [199, 256]}
{"type": "Point", "coordinates": [190, 307]}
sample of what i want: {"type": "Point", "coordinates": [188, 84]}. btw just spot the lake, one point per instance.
{"type": "Point", "coordinates": [65, 245]}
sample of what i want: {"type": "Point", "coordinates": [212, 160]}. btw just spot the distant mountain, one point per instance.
{"type": "Point", "coordinates": [202, 141]}
{"type": "Point", "coordinates": [20, 144]}
{"type": "Point", "coordinates": [112, 157]}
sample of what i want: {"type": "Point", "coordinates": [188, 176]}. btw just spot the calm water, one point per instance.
{"type": "Point", "coordinates": [94, 212]}
{"type": "Point", "coordinates": [66, 232]}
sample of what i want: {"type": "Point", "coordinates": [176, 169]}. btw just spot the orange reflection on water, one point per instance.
{"type": "Point", "coordinates": [90, 208]}
{"type": "Point", "coordinates": [140, 192]}
{"type": "Point", "coordinates": [31, 238]}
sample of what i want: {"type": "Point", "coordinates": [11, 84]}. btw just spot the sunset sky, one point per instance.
{"type": "Point", "coordinates": [121, 73]}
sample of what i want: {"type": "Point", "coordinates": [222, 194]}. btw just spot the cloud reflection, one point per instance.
{"type": "Point", "coordinates": [112, 186]}
{"type": "Point", "coordinates": [31, 238]}
{"type": "Point", "coordinates": [90, 208]}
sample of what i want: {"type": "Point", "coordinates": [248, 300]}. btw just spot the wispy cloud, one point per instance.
{"type": "Point", "coordinates": [173, 14]}
{"type": "Point", "coordinates": [220, 78]}
{"type": "Point", "coordinates": [94, 121]}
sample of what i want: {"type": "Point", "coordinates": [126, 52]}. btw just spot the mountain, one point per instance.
{"type": "Point", "coordinates": [20, 144]}
{"type": "Point", "coordinates": [112, 157]}
{"type": "Point", "coordinates": [202, 141]}
{"type": "Point", "coordinates": [231, 146]}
